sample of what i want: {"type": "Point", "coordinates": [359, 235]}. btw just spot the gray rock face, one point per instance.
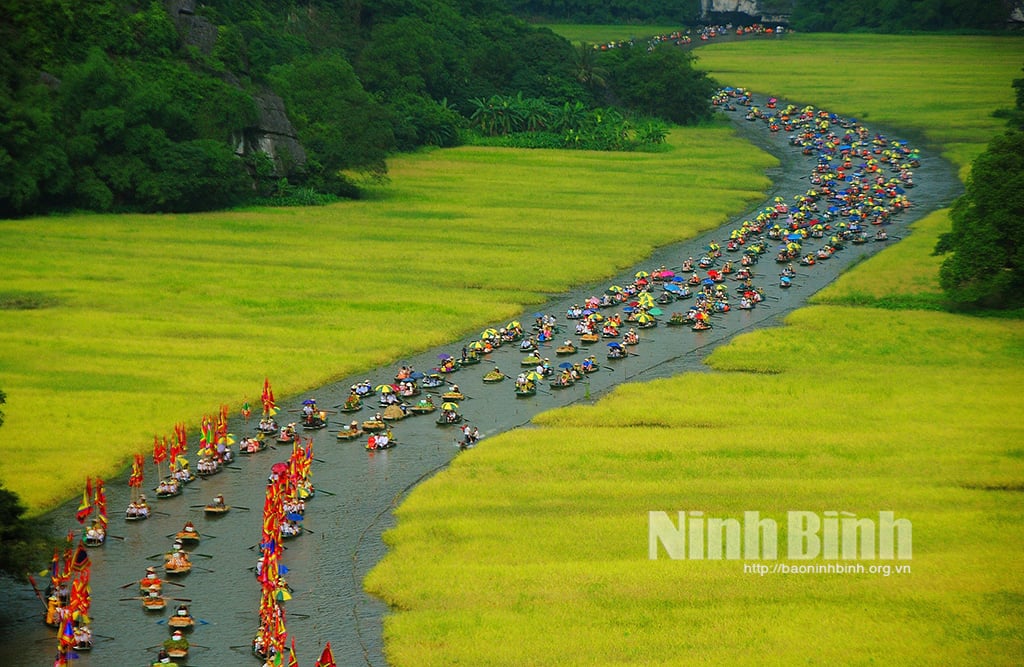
{"type": "Point", "coordinates": [766, 12]}
{"type": "Point", "coordinates": [273, 133]}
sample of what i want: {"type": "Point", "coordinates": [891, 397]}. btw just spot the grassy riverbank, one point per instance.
{"type": "Point", "coordinates": [543, 533]}
{"type": "Point", "coordinates": [114, 328]}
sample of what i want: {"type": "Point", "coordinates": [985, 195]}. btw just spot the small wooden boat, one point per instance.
{"type": "Point", "coordinates": [562, 383]}
{"type": "Point", "coordinates": [590, 338]}
{"type": "Point", "coordinates": [394, 412]}
{"type": "Point", "coordinates": [372, 445]}
{"type": "Point", "coordinates": [168, 488]}
{"type": "Point", "coordinates": [564, 350]}
{"type": "Point", "coordinates": [350, 434]}
{"type": "Point", "coordinates": [181, 621]}
{"type": "Point", "coordinates": [290, 530]}
{"type": "Point", "coordinates": [374, 425]}
{"type": "Point", "coordinates": [524, 392]}
{"type": "Point", "coordinates": [471, 360]}
{"type": "Point", "coordinates": [453, 396]}
{"type": "Point", "coordinates": [530, 360]}
{"type": "Point", "coordinates": [449, 418]}
{"type": "Point", "coordinates": [352, 405]}
{"type": "Point", "coordinates": [154, 603]}
{"type": "Point", "coordinates": [216, 509]}
{"type": "Point", "coordinates": [314, 422]}
{"type": "Point", "coordinates": [422, 408]}
{"type": "Point", "coordinates": [431, 381]}
{"type": "Point", "coordinates": [188, 534]}
{"type": "Point", "coordinates": [177, 564]}
{"type": "Point", "coordinates": [250, 446]}
{"type": "Point", "coordinates": [494, 376]}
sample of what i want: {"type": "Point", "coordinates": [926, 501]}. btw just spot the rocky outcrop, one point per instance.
{"type": "Point", "coordinates": [194, 30]}
{"type": "Point", "coordinates": [758, 10]}
{"type": "Point", "coordinates": [274, 135]}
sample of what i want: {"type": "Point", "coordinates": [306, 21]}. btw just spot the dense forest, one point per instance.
{"type": "Point", "coordinates": [109, 105]}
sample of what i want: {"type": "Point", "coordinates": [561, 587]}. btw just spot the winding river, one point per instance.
{"type": "Point", "coordinates": [346, 521]}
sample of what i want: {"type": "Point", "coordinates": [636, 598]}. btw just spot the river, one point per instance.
{"type": "Point", "coordinates": [345, 522]}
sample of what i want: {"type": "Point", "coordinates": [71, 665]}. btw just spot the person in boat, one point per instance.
{"type": "Point", "coordinates": [454, 389]}
{"type": "Point", "coordinates": [354, 426]}
{"type": "Point", "coordinates": [95, 533]}
{"type": "Point", "coordinates": [182, 611]}
{"type": "Point", "coordinates": [881, 235]}
{"type": "Point", "coordinates": [177, 558]}
{"type": "Point", "coordinates": [218, 500]}
{"type": "Point", "coordinates": [163, 656]}
{"type": "Point", "coordinates": [176, 642]}
{"type": "Point", "coordinates": [189, 527]}
{"type": "Point", "coordinates": [289, 528]}
{"type": "Point", "coordinates": [83, 637]}
{"type": "Point", "coordinates": [631, 337]}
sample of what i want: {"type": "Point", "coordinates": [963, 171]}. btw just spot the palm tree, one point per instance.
{"type": "Point", "coordinates": [585, 66]}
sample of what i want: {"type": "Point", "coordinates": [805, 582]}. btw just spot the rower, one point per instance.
{"type": "Point", "coordinates": [218, 500]}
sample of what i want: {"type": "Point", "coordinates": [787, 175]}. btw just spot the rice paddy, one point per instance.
{"type": "Point", "coordinates": [114, 328]}
{"type": "Point", "coordinates": [543, 534]}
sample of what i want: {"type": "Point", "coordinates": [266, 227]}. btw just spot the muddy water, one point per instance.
{"type": "Point", "coordinates": [345, 522]}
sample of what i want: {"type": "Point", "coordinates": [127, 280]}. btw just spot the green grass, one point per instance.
{"type": "Point", "coordinates": [603, 34]}
{"type": "Point", "coordinates": [532, 549]}
{"type": "Point", "coordinates": [114, 328]}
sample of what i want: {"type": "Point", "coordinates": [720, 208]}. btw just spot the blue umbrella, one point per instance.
{"type": "Point", "coordinates": [416, 375]}
{"type": "Point", "coordinates": [614, 344]}
{"type": "Point", "coordinates": [672, 287]}
{"type": "Point", "coordinates": [628, 309]}
{"type": "Point", "coordinates": [794, 237]}
{"type": "Point", "coordinates": [293, 516]}
{"type": "Point", "coordinates": [707, 281]}
{"type": "Point", "coordinates": [309, 401]}
{"type": "Point", "coordinates": [565, 364]}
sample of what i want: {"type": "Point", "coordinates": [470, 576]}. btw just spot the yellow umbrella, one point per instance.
{"type": "Point", "coordinates": [514, 324]}
{"type": "Point", "coordinates": [384, 388]}
{"type": "Point", "coordinates": [533, 376]}
{"type": "Point", "coordinates": [641, 274]}
{"type": "Point", "coordinates": [615, 288]}
{"type": "Point", "coordinates": [448, 405]}
{"type": "Point", "coordinates": [646, 300]}
{"type": "Point", "coordinates": [489, 333]}
{"type": "Point", "coordinates": [476, 345]}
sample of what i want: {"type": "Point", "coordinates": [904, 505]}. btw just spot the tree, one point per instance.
{"type": "Point", "coordinates": [663, 84]}
{"type": "Point", "coordinates": [987, 239]}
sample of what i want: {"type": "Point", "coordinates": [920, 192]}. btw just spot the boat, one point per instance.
{"type": "Point", "coordinates": [374, 425]}
{"type": "Point", "coordinates": [526, 391]}
{"type": "Point", "coordinates": [566, 349]}
{"type": "Point", "coordinates": [431, 381]}
{"type": "Point", "coordinates": [394, 412]}
{"type": "Point", "coordinates": [154, 601]}
{"type": "Point", "coordinates": [177, 646]}
{"type": "Point", "coordinates": [96, 535]}
{"type": "Point", "coordinates": [375, 442]}
{"type": "Point", "coordinates": [250, 446]}
{"type": "Point", "coordinates": [177, 562]}
{"type": "Point", "coordinates": [453, 395]}
{"type": "Point", "coordinates": [350, 433]}
{"type": "Point", "coordinates": [531, 360]}
{"type": "Point", "coordinates": [314, 421]}
{"type": "Point", "coordinates": [216, 509]}
{"type": "Point", "coordinates": [290, 530]}
{"type": "Point", "coordinates": [168, 488]}
{"type": "Point", "coordinates": [561, 382]}
{"type": "Point", "coordinates": [423, 407]}
{"type": "Point", "coordinates": [352, 404]}
{"type": "Point", "coordinates": [494, 376]}
{"type": "Point", "coordinates": [287, 434]}
{"type": "Point", "coordinates": [448, 417]}
{"type": "Point", "coordinates": [188, 534]}
{"type": "Point", "coordinates": [182, 619]}
{"type": "Point", "coordinates": [268, 426]}
{"type": "Point", "coordinates": [590, 338]}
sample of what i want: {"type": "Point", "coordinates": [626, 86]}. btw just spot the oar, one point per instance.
{"type": "Point", "coordinates": [116, 537]}
{"type": "Point", "coordinates": [204, 569]}
{"type": "Point", "coordinates": [239, 507]}
{"type": "Point", "coordinates": [181, 599]}
{"type": "Point", "coordinates": [202, 556]}
{"type": "Point", "coordinates": [327, 492]}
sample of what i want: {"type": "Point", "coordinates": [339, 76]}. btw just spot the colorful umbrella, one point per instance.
{"type": "Point", "coordinates": [449, 405]}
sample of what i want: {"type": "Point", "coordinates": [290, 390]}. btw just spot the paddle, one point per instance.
{"type": "Point", "coordinates": [116, 537]}
{"type": "Point", "coordinates": [327, 492]}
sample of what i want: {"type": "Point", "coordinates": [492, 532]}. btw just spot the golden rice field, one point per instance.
{"type": "Point", "coordinates": [534, 548]}
{"type": "Point", "coordinates": [146, 321]}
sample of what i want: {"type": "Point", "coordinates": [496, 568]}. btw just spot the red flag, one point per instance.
{"type": "Point", "coordinates": [292, 660]}
{"type": "Point", "coordinates": [159, 451]}
{"type": "Point", "coordinates": [85, 507]}
{"type": "Point", "coordinates": [326, 658]}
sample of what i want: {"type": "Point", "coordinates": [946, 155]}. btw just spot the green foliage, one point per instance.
{"type": "Point", "coordinates": [893, 16]}
{"type": "Point", "coordinates": [342, 125]}
{"type": "Point", "coordinates": [662, 83]}
{"type": "Point", "coordinates": [987, 238]}
{"type": "Point", "coordinates": [609, 11]}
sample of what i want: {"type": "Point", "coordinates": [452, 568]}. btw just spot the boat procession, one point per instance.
{"type": "Point", "coordinates": [857, 185]}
